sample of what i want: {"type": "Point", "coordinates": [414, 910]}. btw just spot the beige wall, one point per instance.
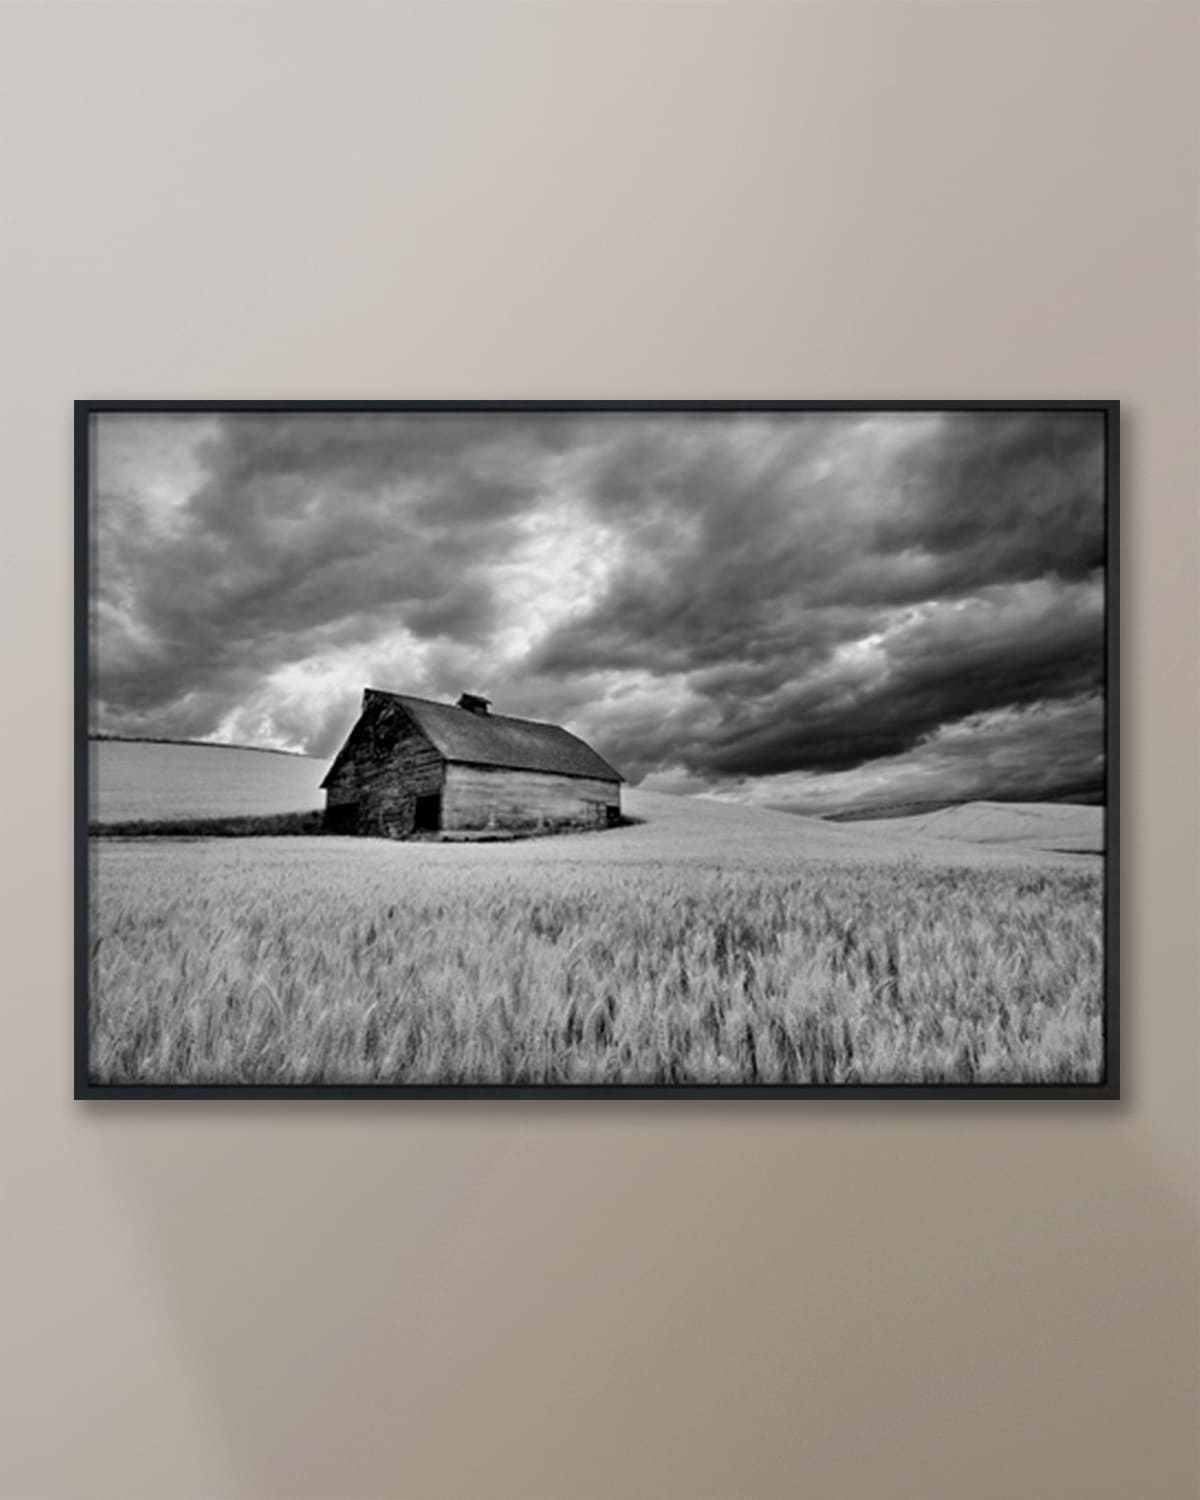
{"type": "Point", "coordinates": [567, 1300]}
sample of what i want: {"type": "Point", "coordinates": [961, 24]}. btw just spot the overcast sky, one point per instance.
{"type": "Point", "coordinates": [811, 611]}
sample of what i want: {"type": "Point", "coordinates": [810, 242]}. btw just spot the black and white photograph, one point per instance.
{"type": "Point", "coordinates": [596, 748]}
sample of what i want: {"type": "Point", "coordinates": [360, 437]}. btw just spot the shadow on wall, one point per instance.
{"type": "Point", "coordinates": [428, 1299]}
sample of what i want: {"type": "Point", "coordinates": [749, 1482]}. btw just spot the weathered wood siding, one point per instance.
{"type": "Point", "coordinates": [389, 765]}
{"type": "Point", "coordinates": [484, 797]}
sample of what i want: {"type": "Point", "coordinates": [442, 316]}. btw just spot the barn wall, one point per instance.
{"type": "Point", "coordinates": [390, 764]}
{"type": "Point", "coordinates": [342, 789]}
{"type": "Point", "coordinates": [478, 797]}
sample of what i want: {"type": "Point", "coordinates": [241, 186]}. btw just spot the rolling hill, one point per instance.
{"type": "Point", "coordinates": [161, 782]}
{"type": "Point", "coordinates": [1058, 826]}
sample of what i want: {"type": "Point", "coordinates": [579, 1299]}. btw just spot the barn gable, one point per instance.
{"type": "Point", "coordinates": [379, 727]}
{"type": "Point", "coordinates": [387, 778]}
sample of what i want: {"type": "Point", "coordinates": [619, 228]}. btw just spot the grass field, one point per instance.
{"type": "Point", "coordinates": [708, 944]}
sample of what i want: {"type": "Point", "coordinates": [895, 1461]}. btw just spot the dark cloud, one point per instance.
{"type": "Point", "coordinates": [987, 756]}
{"type": "Point", "coordinates": [1004, 497]}
{"type": "Point", "coordinates": [306, 533]}
{"type": "Point", "coordinates": [830, 525]}
{"type": "Point", "coordinates": [993, 524]}
{"type": "Point", "coordinates": [949, 667]}
{"type": "Point", "coordinates": [708, 598]}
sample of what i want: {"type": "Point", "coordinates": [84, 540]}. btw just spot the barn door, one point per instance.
{"type": "Point", "coordinates": [427, 815]}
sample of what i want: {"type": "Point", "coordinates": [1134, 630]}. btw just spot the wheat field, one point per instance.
{"type": "Point", "coordinates": [671, 953]}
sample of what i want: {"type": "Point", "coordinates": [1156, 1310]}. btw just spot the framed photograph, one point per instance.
{"type": "Point", "coordinates": [578, 748]}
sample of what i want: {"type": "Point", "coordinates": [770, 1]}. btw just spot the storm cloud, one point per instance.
{"type": "Point", "coordinates": [806, 609]}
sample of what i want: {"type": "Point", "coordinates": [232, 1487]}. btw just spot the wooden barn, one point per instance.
{"type": "Point", "coordinates": [410, 766]}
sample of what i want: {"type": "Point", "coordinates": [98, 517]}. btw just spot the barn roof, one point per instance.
{"type": "Point", "coordinates": [486, 739]}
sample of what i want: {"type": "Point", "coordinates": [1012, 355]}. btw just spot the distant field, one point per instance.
{"type": "Point", "coordinates": [1034, 825]}
{"type": "Point", "coordinates": [133, 779]}
{"type": "Point", "coordinates": [710, 943]}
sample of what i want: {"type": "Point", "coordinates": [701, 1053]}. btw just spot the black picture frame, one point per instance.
{"type": "Point", "coordinates": [1106, 1089]}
